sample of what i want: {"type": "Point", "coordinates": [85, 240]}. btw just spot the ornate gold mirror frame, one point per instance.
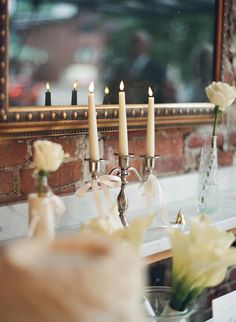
{"type": "Point", "coordinates": [28, 122]}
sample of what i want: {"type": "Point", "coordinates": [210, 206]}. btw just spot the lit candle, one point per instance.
{"type": "Point", "coordinates": [74, 94]}
{"type": "Point", "coordinates": [150, 138]}
{"type": "Point", "coordinates": [92, 120]}
{"type": "Point", "coordinates": [123, 136]}
{"type": "Point", "coordinates": [47, 95]}
{"type": "Point", "coordinates": [106, 90]}
{"type": "Point", "coordinates": [106, 95]}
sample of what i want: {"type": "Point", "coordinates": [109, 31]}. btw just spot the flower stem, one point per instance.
{"type": "Point", "coordinates": [42, 177]}
{"type": "Point", "coordinates": [180, 293]}
{"type": "Point", "coordinates": [216, 117]}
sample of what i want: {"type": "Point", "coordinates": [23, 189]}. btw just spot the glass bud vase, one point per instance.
{"type": "Point", "coordinates": [156, 306]}
{"type": "Point", "coordinates": [41, 216]}
{"type": "Point", "coordinates": [41, 212]}
{"type": "Point", "coordinates": [208, 186]}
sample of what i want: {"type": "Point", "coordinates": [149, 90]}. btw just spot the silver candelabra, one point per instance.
{"type": "Point", "coordinates": [123, 171]}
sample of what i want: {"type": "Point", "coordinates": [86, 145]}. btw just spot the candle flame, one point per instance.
{"type": "Point", "coordinates": [150, 93]}
{"type": "Point", "coordinates": [91, 87]}
{"type": "Point", "coordinates": [75, 85]}
{"type": "Point", "coordinates": [47, 86]}
{"type": "Point", "coordinates": [122, 86]}
{"type": "Point", "coordinates": [106, 90]}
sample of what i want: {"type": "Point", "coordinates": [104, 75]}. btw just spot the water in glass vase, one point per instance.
{"type": "Point", "coordinates": [158, 309]}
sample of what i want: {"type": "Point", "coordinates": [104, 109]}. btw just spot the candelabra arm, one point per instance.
{"type": "Point", "coordinates": [115, 171]}
{"type": "Point", "coordinates": [135, 171]}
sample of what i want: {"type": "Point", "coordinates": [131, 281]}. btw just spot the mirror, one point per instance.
{"type": "Point", "coordinates": [184, 54]}
{"type": "Point", "coordinates": [168, 45]}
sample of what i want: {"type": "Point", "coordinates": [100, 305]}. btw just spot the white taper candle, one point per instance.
{"type": "Point", "coordinates": [150, 138]}
{"type": "Point", "coordinates": [123, 136]}
{"type": "Point", "coordinates": [92, 120]}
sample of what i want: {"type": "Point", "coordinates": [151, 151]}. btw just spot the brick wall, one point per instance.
{"type": "Point", "coordinates": [179, 150]}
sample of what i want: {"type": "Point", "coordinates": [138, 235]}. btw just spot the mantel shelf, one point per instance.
{"type": "Point", "coordinates": [155, 246]}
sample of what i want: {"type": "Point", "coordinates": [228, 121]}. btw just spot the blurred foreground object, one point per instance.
{"type": "Point", "coordinates": [81, 279]}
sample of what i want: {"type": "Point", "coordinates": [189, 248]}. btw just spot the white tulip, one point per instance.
{"type": "Point", "coordinates": [200, 257]}
{"type": "Point", "coordinates": [221, 94]}
{"type": "Point", "coordinates": [48, 156]}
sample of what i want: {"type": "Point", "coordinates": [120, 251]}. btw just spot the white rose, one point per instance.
{"type": "Point", "coordinates": [221, 94]}
{"type": "Point", "coordinates": [48, 156]}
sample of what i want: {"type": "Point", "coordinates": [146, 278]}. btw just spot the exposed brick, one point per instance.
{"type": "Point", "coordinates": [195, 141]}
{"type": "Point", "coordinates": [232, 138]}
{"type": "Point", "coordinates": [110, 165]}
{"type": "Point", "coordinates": [220, 140]}
{"type": "Point", "coordinates": [12, 153]}
{"type": "Point", "coordinates": [67, 173]}
{"type": "Point", "coordinates": [170, 164]}
{"type": "Point", "coordinates": [69, 145]}
{"type": "Point", "coordinates": [169, 143]}
{"type": "Point", "coordinates": [229, 77]}
{"type": "Point", "coordinates": [111, 145]}
{"type": "Point", "coordinates": [137, 134]}
{"type": "Point", "coordinates": [6, 181]}
{"type": "Point", "coordinates": [65, 191]}
{"type": "Point", "coordinates": [137, 144]}
{"type": "Point", "coordinates": [28, 183]}
{"type": "Point", "coordinates": [225, 158]}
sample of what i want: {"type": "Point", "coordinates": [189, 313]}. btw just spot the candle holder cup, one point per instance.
{"type": "Point", "coordinates": [124, 170]}
{"type": "Point", "coordinates": [95, 167]}
{"type": "Point", "coordinates": [148, 165]}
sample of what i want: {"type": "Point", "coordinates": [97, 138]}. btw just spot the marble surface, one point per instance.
{"type": "Point", "coordinates": [156, 240]}
{"type": "Point", "coordinates": [180, 193]}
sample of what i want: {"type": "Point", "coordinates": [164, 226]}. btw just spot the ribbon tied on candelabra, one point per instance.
{"type": "Point", "coordinates": [103, 182]}
{"type": "Point", "coordinates": [152, 190]}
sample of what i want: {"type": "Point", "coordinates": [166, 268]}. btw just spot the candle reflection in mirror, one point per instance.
{"type": "Point", "coordinates": [47, 95]}
{"type": "Point", "coordinates": [74, 94]}
{"type": "Point", "coordinates": [106, 99]}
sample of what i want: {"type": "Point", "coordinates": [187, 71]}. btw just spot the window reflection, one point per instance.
{"type": "Point", "coordinates": [167, 45]}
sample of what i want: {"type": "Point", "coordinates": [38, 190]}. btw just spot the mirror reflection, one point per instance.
{"type": "Point", "coordinates": [167, 45]}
